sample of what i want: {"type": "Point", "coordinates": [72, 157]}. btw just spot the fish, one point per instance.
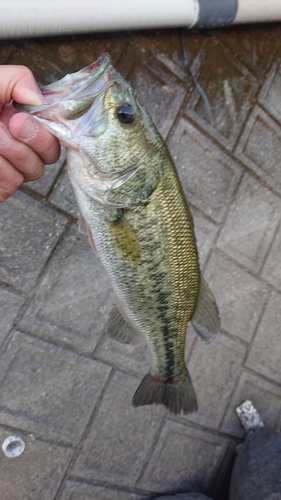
{"type": "Point", "coordinates": [138, 221]}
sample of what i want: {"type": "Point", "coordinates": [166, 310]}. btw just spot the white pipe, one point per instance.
{"type": "Point", "coordinates": [29, 18]}
{"type": "Point", "coordinates": [26, 18]}
{"type": "Point", "coordinates": [258, 11]}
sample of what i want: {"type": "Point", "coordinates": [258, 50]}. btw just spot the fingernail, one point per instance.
{"type": "Point", "coordinates": [29, 130]}
{"type": "Point", "coordinates": [4, 136]}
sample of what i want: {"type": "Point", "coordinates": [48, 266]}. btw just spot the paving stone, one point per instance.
{"type": "Point", "coordinates": [208, 175]}
{"type": "Point", "coordinates": [229, 87]}
{"type": "Point", "coordinates": [185, 458]}
{"type": "Point", "coordinates": [74, 490]}
{"type": "Point", "coordinates": [205, 232]}
{"type": "Point", "coordinates": [29, 231]}
{"type": "Point", "coordinates": [168, 51]}
{"type": "Point", "coordinates": [270, 94]}
{"type": "Point", "coordinates": [260, 148]}
{"type": "Point", "coordinates": [45, 182]}
{"type": "Point", "coordinates": [272, 270]}
{"type": "Point", "coordinates": [37, 473]}
{"type": "Point", "coordinates": [47, 390]}
{"type": "Point", "coordinates": [63, 196]}
{"type": "Point", "coordinates": [121, 436]}
{"type": "Point", "coordinates": [239, 295]}
{"type": "Point", "coordinates": [250, 224]}
{"type": "Point", "coordinates": [214, 370]}
{"type": "Point", "coordinates": [254, 45]}
{"type": "Point", "coordinates": [266, 398]}
{"type": "Point", "coordinates": [10, 303]}
{"type": "Point", "coordinates": [72, 302]}
{"type": "Point", "coordinates": [264, 356]}
{"type": "Point", "coordinates": [159, 90]}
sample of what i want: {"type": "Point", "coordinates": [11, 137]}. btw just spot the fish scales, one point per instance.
{"type": "Point", "coordinates": [138, 223]}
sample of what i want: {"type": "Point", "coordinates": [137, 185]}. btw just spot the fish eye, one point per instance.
{"type": "Point", "coordinates": [125, 113]}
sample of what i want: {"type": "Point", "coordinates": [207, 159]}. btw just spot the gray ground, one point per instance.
{"type": "Point", "coordinates": [65, 387]}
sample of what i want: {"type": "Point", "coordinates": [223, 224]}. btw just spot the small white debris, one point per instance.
{"type": "Point", "coordinates": [13, 446]}
{"type": "Point", "coordinates": [248, 416]}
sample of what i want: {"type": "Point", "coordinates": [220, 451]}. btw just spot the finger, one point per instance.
{"type": "Point", "coordinates": [20, 156]}
{"type": "Point", "coordinates": [18, 82]}
{"type": "Point", "coordinates": [6, 113]}
{"type": "Point", "coordinates": [28, 130]}
{"type": "Point", "coordinates": [10, 179]}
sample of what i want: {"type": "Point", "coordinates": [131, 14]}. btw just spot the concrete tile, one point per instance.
{"type": "Point", "coordinates": [29, 231]}
{"type": "Point", "coordinates": [214, 370]}
{"type": "Point", "coordinates": [158, 89]}
{"type": "Point", "coordinates": [265, 356]}
{"type": "Point", "coordinates": [240, 296]}
{"type": "Point", "coordinates": [120, 437]}
{"type": "Point", "coordinates": [205, 232]}
{"type": "Point", "coordinates": [270, 93]}
{"type": "Point", "coordinates": [63, 196]}
{"type": "Point", "coordinates": [229, 87]}
{"type": "Point", "coordinates": [254, 45]}
{"type": "Point", "coordinates": [265, 396]}
{"type": "Point", "coordinates": [45, 182]}
{"type": "Point", "coordinates": [208, 175]}
{"type": "Point", "coordinates": [260, 148]}
{"type": "Point", "coordinates": [37, 473]}
{"type": "Point", "coordinates": [185, 459]}
{"type": "Point", "coordinates": [47, 390]}
{"type": "Point", "coordinates": [250, 224]}
{"type": "Point", "coordinates": [168, 51]}
{"type": "Point", "coordinates": [70, 304]}
{"type": "Point", "coordinates": [74, 490]}
{"type": "Point", "coordinates": [271, 271]}
{"type": "Point", "coordinates": [10, 303]}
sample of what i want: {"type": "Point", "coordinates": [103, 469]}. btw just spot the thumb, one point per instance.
{"type": "Point", "coordinates": [18, 82]}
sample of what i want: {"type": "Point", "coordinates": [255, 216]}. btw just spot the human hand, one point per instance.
{"type": "Point", "coordinates": [25, 146]}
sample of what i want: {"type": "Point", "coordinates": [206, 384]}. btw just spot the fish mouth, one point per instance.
{"type": "Point", "coordinates": [84, 84]}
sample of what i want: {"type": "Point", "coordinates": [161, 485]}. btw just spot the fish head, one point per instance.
{"type": "Point", "coordinates": [96, 113]}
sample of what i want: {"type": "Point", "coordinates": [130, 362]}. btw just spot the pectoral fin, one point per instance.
{"type": "Point", "coordinates": [205, 320]}
{"type": "Point", "coordinates": [118, 329]}
{"type": "Point", "coordinates": [124, 239]}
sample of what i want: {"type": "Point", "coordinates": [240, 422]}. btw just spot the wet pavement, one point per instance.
{"type": "Point", "coordinates": [65, 387]}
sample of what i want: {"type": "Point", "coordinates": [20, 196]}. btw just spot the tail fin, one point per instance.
{"type": "Point", "coordinates": [177, 395]}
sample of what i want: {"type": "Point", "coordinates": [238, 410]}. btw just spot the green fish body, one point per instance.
{"type": "Point", "coordinates": [138, 223]}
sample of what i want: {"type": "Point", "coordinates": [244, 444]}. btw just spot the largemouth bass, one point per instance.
{"type": "Point", "coordinates": [138, 222]}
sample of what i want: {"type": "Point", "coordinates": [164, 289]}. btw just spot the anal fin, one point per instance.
{"type": "Point", "coordinates": [118, 329]}
{"type": "Point", "coordinates": [206, 320]}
